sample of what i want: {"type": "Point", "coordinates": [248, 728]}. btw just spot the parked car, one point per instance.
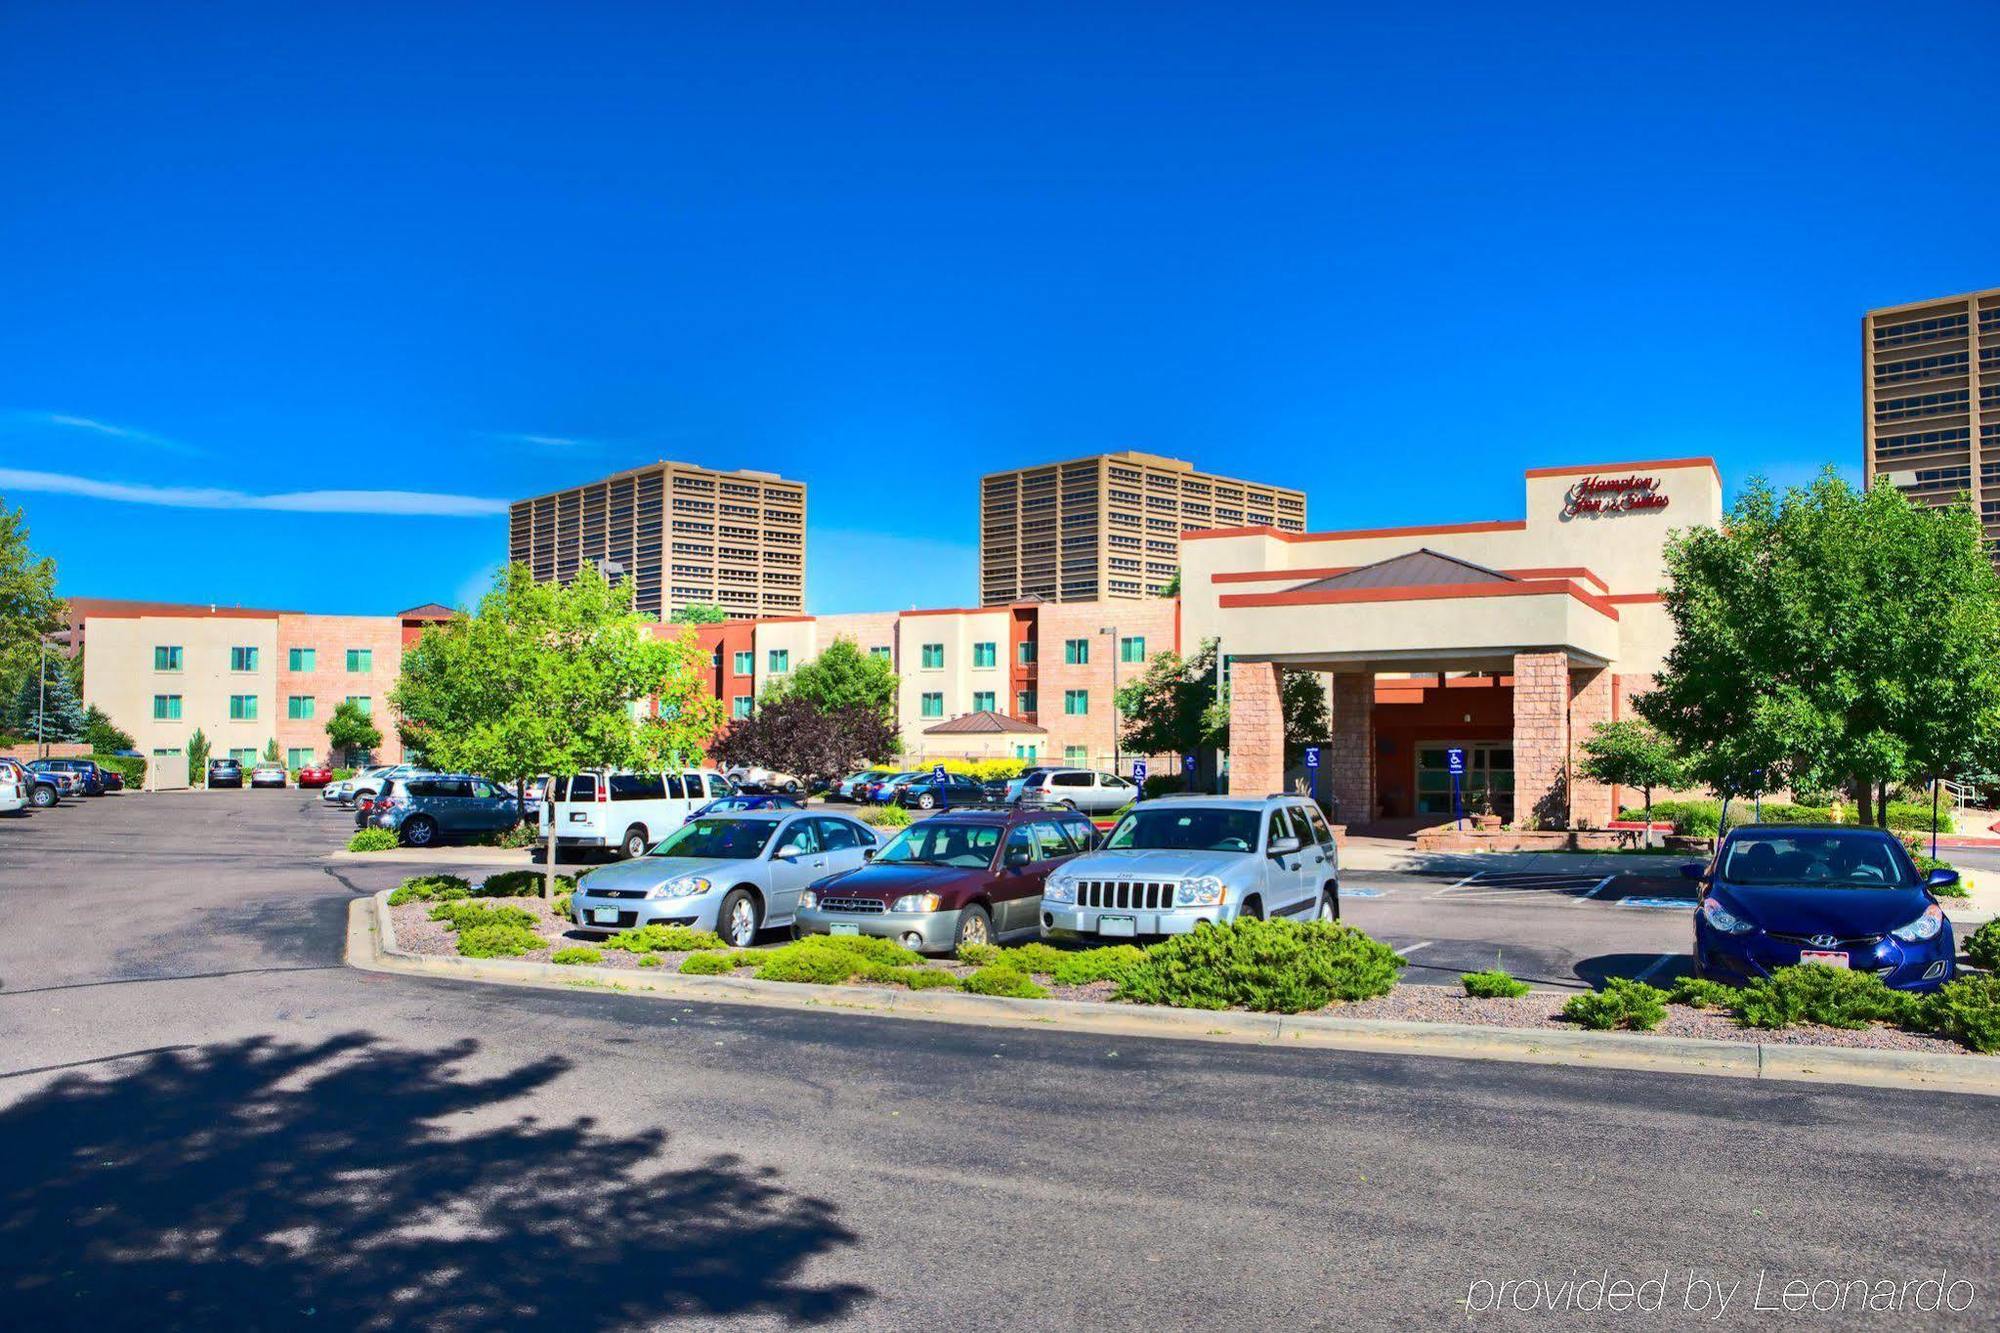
{"type": "Point", "coordinates": [42, 789]}
{"type": "Point", "coordinates": [1175, 863]}
{"type": "Point", "coordinates": [1008, 790]}
{"type": "Point", "coordinates": [734, 874]}
{"type": "Point", "coordinates": [929, 792]}
{"type": "Point", "coordinates": [315, 775]}
{"type": "Point", "coordinates": [342, 791]}
{"type": "Point", "coordinates": [113, 779]}
{"type": "Point", "coordinates": [88, 777]}
{"type": "Point", "coordinates": [854, 787]}
{"type": "Point", "coordinates": [370, 783]}
{"type": "Point", "coordinates": [625, 812]}
{"type": "Point", "coordinates": [723, 805]}
{"type": "Point", "coordinates": [225, 773]}
{"type": "Point", "coordinates": [425, 809]}
{"type": "Point", "coordinates": [13, 793]}
{"type": "Point", "coordinates": [268, 774]}
{"type": "Point", "coordinates": [1780, 896]}
{"type": "Point", "coordinates": [1078, 789]}
{"type": "Point", "coordinates": [972, 877]}
{"type": "Point", "coordinates": [753, 779]}
{"type": "Point", "coordinates": [883, 790]}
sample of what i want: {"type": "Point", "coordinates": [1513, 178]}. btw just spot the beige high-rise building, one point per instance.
{"type": "Point", "coordinates": [682, 533]}
{"type": "Point", "coordinates": [1930, 391]}
{"type": "Point", "coordinates": [1109, 526]}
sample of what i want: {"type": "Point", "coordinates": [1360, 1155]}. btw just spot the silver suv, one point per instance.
{"type": "Point", "coordinates": [1177, 862]}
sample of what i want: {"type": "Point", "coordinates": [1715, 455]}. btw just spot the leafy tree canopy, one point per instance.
{"type": "Point", "coordinates": [841, 677]}
{"type": "Point", "coordinates": [816, 745]}
{"type": "Point", "coordinates": [350, 729]}
{"type": "Point", "coordinates": [29, 607]}
{"type": "Point", "coordinates": [105, 736]}
{"type": "Point", "coordinates": [699, 613]}
{"type": "Point", "coordinates": [1630, 753]}
{"type": "Point", "coordinates": [1176, 706]}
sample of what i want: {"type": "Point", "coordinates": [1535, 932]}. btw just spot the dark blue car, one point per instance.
{"type": "Point", "coordinates": [1779, 896]}
{"type": "Point", "coordinates": [725, 805]}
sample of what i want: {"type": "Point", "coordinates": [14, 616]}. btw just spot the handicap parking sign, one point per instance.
{"type": "Point", "coordinates": [1138, 770]}
{"type": "Point", "coordinates": [1187, 764]}
{"type": "Point", "coordinates": [1454, 759]}
{"type": "Point", "coordinates": [938, 773]}
{"type": "Point", "coordinates": [1312, 756]}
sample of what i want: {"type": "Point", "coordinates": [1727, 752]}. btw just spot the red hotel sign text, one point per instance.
{"type": "Point", "coordinates": [1613, 495]}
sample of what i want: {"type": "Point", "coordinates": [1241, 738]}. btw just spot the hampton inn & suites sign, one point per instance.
{"type": "Point", "coordinates": [1613, 495]}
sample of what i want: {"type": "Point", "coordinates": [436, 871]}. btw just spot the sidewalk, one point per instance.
{"type": "Point", "coordinates": [1400, 856]}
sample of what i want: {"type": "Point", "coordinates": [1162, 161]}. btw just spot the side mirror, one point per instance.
{"type": "Point", "coordinates": [1694, 870]}
{"type": "Point", "coordinates": [1018, 857]}
{"type": "Point", "coordinates": [1941, 879]}
{"type": "Point", "coordinates": [1284, 846]}
{"type": "Point", "coordinates": [790, 853]}
{"type": "Point", "coordinates": [868, 853]}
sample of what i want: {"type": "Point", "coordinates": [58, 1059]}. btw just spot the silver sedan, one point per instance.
{"type": "Point", "coordinates": [735, 873]}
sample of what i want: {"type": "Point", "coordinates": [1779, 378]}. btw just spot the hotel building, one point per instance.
{"type": "Point", "coordinates": [1109, 527]}
{"type": "Point", "coordinates": [682, 534]}
{"type": "Point", "coordinates": [1930, 392]}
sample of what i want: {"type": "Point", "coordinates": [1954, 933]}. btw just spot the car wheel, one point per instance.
{"type": "Point", "coordinates": [635, 842]}
{"type": "Point", "coordinates": [791, 789]}
{"type": "Point", "coordinates": [43, 798]}
{"type": "Point", "coordinates": [926, 801]}
{"type": "Point", "coordinates": [1252, 910]}
{"type": "Point", "coordinates": [974, 927]}
{"type": "Point", "coordinates": [1069, 806]}
{"type": "Point", "coordinates": [1329, 904]}
{"type": "Point", "coordinates": [418, 831]}
{"type": "Point", "coordinates": [737, 921]}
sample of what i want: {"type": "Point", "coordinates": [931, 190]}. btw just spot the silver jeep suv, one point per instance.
{"type": "Point", "coordinates": [1176, 862]}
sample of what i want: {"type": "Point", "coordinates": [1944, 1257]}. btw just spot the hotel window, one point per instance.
{"type": "Point", "coordinates": [1076, 652]}
{"type": "Point", "coordinates": [882, 652]}
{"type": "Point", "coordinates": [933, 657]}
{"type": "Point", "coordinates": [299, 707]}
{"type": "Point", "coordinates": [166, 708]}
{"type": "Point", "coordinates": [1076, 756]}
{"type": "Point", "coordinates": [298, 758]}
{"type": "Point", "coordinates": [302, 659]}
{"type": "Point", "coordinates": [1025, 751]}
{"type": "Point", "coordinates": [242, 659]}
{"type": "Point", "coordinates": [933, 704]}
{"type": "Point", "coordinates": [242, 708]}
{"type": "Point", "coordinates": [166, 658]}
{"type": "Point", "coordinates": [1132, 649]}
{"type": "Point", "coordinates": [716, 659]}
{"type": "Point", "coordinates": [245, 755]}
{"type": "Point", "coordinates": [982, 701]}
{"type": "Point", "coordinates": [778, 661]}
{"type": "Point", "coordinates": [985, 655]}
{"type": "Point", "coordinates": [1024, 702]}
{"type": "Point", "coordinates": [1076, 703]}
{"type": "Point", "coordinates": [1025, 654]}
{"type": "Point", "coordinates": [364, 703]}
{"type": "Point", "coordinates": [739, 707]}
{"type": "Point", "coordinates": [745, 661]}
{"type": "Point", "coordinates": [360, 661]}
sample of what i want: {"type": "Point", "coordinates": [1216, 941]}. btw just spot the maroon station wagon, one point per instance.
{"type": "Point", "coordinates": [952, 879]}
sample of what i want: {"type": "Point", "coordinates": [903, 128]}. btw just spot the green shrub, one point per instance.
{"type": "Point", "coordinates": [372, 840]}
{"type": "Point", "coordinates": [1161, 784]}
{"type": "Point", "coordinates": [1983, 946]}
{"type": "Point", "coordinates": [1907, 816]}
{"type": "Point", "coordinates": [979, 955]}
{"type": "Point", "coordinates": [522, 884]}
{"type": "Point", "coordinates": [1623, 1003]}
{"type": "Point", "coordinates": [911, 978]}
{"type": "Point", "coordinates": [577, 956]}
{"type": "Point", "coordinates": [656, 938]}
{"type": "Point", "coordinates": [1000, 979]}
{"type": "Point", "coordinates": [704, 964]}
{"type": "Point", "coordinates": [469, 914]}
{"type": "Point", "coordinates": [497, 941]}
{"type": "Point", "coordinates": [1282, 966]}
{"type": "Point", "coordinates": [342, 774]}
{"type": "Point", "coordinates": [521, 835]}
{"type": "Point", "coordinates": [1831, 996]}
{"type": "Point", "coordinates": [654, 960]}
{"type": "Point", "coordinates": [865, 947]}
{"type": "Point", "coordinates": [132, 768]}
{"type": "Point", "coordinates": [886, 816]}
{"type": "Point", "coordinates": [1699, 993]}
{"type": "Point", "coordinates": [1083, 966]}
{"type": "Point", "coordinates": [427, 888]}
{"type": "Point", "coordinates": [560, 905]}
{"type": "Point", "coordinates": [1035, 957]}
{"type": "Point", "coordinates": [1493, 985]}
{"type": "Point", "coordinates": [814, 967]}
{"type": "Point", "coordinates": [1967, 1011]}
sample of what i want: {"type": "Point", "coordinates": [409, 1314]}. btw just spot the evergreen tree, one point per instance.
{"type": "Point", "coordinates": [48, 709]}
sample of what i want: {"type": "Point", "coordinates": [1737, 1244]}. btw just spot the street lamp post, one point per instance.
{"type": "Point", "coordinates": [1116, 720]}
{"type": "Point", "coordinates": [42, 701]}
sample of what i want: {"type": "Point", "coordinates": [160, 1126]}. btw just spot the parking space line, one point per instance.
{"type": "Point", "coordinates": [1602, 885]}
{"type": "Point", "coordinates": [1409, 949]}
{"type": "Point", "coordinates": [1653, 969]}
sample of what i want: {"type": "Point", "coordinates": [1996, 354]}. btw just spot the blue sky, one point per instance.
{"type": "Point", "coordinates": [432, 258]}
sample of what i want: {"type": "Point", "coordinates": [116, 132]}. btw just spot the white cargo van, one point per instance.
{"type": "Point", "coordinates": [628, 812]}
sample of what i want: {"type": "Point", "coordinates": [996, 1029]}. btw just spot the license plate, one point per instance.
{"type": "Point", "coordinates": [843, 928]}
{"type": "Point", "coordinates": [1823, 958]}
{"type": "Point", "coordinates": [604, 916]}
{"type": "Point", "coordinates": [1123, 927]}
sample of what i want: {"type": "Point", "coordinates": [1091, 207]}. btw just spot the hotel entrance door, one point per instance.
{"type": "Point", "coordinates": [1489, 774]}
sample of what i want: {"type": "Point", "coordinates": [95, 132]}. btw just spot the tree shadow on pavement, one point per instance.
{"type": "Point", "coordinates": [1605, 966]}
{"type": "Point", "coordinates": [351, 1183]}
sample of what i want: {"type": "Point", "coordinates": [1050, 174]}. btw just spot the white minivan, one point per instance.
{"type": "Point", "coordinates": [628, 812]}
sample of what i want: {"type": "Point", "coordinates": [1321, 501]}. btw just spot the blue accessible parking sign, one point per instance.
{"type": "Point", "coordinates": [1312, 756]}
{"type": "Point", "coordinates": [1454, 759]}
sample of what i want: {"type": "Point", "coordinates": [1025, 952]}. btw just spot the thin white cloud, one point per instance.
{"type": "Point", "coordinates": [293, 502]}
{"type": "Point", "coordinates": [547, 441]}
{"type": "Point", "coordinates": [110, 430]}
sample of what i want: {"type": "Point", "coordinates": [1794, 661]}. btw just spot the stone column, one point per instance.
{"type": "Point", "coordinates": [1541, 739]}
{"type": "Point", "coordinates": [1256, 730]}
{"type": "Point", "coordinates": [1591, 694]}
{"type": "Point", "coordinates": [1351, 757]}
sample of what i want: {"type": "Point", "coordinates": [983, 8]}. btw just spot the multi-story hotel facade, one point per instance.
{"type": "Point", "coordinates": [682, 534]}
{"type": "Point", "coordinates": [1930, 390]}
{"type": "Point", "coordinates": [1109, 527]}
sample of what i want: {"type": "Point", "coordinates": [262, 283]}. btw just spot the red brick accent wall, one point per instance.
{"type": "Point", "coordinates": [1256, 730]}
{"type": "Point", "coordinates": [1351, 761]}
{"type": "Point", "coordinates": [1592, 700]}
{"type": "Point", "coordinates": [1541, 738]}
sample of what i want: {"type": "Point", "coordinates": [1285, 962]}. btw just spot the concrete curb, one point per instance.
{"type": "Point", "coordinates": [371, 946]}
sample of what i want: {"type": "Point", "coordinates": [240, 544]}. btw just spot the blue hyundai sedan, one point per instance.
{"type": "Point", "coordinates": [1779, 896]}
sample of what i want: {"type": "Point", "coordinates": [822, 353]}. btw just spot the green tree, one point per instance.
{"type": "Point", "coordinates": [272, 754]}
{"type": "Point", "coordinates": [699, 613]}
{"type": "Point", "coordinates": [554, 678]}
{"type": "Point", "coordinates": [1173, 586]}
{"type": "Point", "coordinates": [1831, 637]}
{"type": "Point", "coordinates": [350, 729]}
{"type": "Point", "coordinates": [1630, 753]}
{"type": "Point", "coordinates": [103, 735]}
{"type": "Point", "coordinates": [1176, 706]}
{"type": "Point", "coordinates": [45, 705]}
{"type": "Point", "coordinates": [197, 754]}
{"type": "Point", "coordinates": [841, 677]}
{"type": "Point", "coordinates": [29, 607]}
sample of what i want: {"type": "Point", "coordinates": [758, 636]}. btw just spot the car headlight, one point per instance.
{"type": "Point", "coordinates": [808, 899]}
{"type": "Point", "coordinates": [1723, 919]}
{"type": "Point", "coordinates": [1924, 927]}
{"type": "Point", "coordinates": [915, 902]}
{"type": "Point", "coordinates": [687, 886]}
{"type": "Point", "coordinates": [1203, 892]}
{"type": "Point", "coordinates": [1059, 891]}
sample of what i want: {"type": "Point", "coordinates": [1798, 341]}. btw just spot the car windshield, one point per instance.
{"type": "Point", "coordinates": [1185, 830]}
{"type": "Point", "coordinates": [1817, 860]}
{"type": "Point", "coordinates": [942, 842]}
{"type": "Point", "coordinates": [718, 839]}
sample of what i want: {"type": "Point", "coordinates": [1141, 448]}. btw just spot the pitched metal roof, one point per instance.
{"type": "Point", "coordinates": [1421, 568]}
{"type": "Point", "coordinates": [984, 722]}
